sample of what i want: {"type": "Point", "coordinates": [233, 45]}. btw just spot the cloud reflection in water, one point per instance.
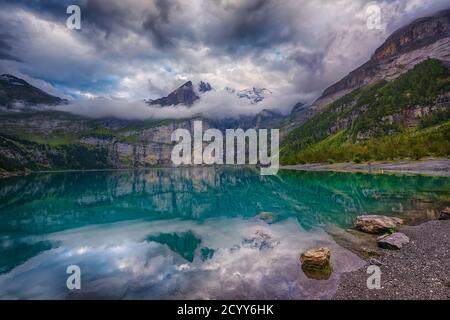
{"type": "Point", "coordinates": [116, 262]}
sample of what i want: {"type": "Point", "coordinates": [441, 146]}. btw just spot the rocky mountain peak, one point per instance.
{"type": "Point", "coordinates": [254, 95]}
{"type": "Point", "coordinates": [204, 87]}
{"type": "Point", "coordinates": [185, 95]}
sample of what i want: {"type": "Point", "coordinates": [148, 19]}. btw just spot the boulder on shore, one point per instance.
{"type": "Point", "coordinates": [377, 224]}
{"type": "Point", "coordinates": [316, 263]}
{"type": "Point", "coordinates": [393, 241]}
{"type": "Point", "coordinates": [445, 214]}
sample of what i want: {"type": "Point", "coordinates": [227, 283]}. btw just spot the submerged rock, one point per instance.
{"type": "Point", "coordinates": [393, 241]}
{"type": "Point", "coordinates": [445, 214]}
{"type": "Point", "coordinates": [267, 217]}
{"type": "Point", "coordinates": [377, 224]}
{"type": "Point", "coordinates": [316, 263]}
{"type": "Point", "coordinates": [361, 243]}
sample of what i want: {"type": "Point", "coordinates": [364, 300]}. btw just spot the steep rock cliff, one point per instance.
{"type": "Point", "coordinates": [424, 38]}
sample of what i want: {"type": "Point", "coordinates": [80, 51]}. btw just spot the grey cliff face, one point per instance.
{"type": "Point", "coordinates": [427, 37]}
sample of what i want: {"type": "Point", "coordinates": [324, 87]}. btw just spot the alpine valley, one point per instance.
{"type": "Point", "coordinates": [395, 106]}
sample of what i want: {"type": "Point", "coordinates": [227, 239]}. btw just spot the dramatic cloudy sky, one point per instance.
{"type": "Point", "coordinates": [136, 49]}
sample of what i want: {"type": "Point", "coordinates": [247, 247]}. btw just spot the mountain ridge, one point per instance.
{"type": "Point", "coordinates": [16, 93]}
{"type": "Point", "coordinates": [402, 50]}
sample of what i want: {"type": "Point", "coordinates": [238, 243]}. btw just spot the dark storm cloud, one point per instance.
{"type": "Point", "coordinates": [108, 17]}
{"type": "Point", "coordinates": [145, 48]}
{"type": "Point", "coordinates": [53, 9]}
{"type": "Point", "coordinates": [46, 6]}
{"type": "Point", "coordinates": [157, 23]}
{"type": "Point", "coordinates": [247, 26]}
{"type": "Point", "coordinates": [109, 20]}
{"type": "Point", "coordinates": [311, 61]}
{"type": "Point", "coordinates": [5, 48]}
{"type": "Point", "coordinates": [251, 25]}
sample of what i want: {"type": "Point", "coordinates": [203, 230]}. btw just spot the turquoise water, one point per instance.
{"type": "Point", "coordinates": [191, 232]}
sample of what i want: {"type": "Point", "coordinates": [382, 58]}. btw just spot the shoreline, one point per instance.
{"type": "Point", "coordinates": [7, 174]}
{"type": "Point", "coordinates": [428, 167]}
{"type": "Point", "coordinates": [417, 271]}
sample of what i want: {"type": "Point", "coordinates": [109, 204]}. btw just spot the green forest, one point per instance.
{"type": "Point", "coordinates": [364, 112]}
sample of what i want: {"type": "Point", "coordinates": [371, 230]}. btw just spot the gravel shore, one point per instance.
{"type": "Point", "coordinates": [432, 167]}
{"type": "Point", "coordinates": [420, 270]}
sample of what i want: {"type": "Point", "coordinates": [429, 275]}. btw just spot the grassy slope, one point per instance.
{"type": "Point", "coordinates": [315, 141]}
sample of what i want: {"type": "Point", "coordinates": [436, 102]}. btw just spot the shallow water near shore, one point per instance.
{"type": "Point", "coordinates": [190, 232]}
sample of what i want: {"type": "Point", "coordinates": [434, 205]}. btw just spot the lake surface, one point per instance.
{"type": "Point", "coordinates": [190, 232]}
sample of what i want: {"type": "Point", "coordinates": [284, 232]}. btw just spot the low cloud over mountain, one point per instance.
{"type": "Point", "coordinates": [211, 104]}
{"type": "Point", "coordinates": [130, 50]}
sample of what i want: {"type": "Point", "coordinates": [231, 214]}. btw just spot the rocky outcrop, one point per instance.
{"type": "Point", "coordinates": [424, 38]}
{"type": "Point", "coordinates": [393, 241]}
{"type": "Point", "coordinates": [316, 263]}
{"type": "Point", "coordinates": [204, 87]}
{"type": "Point", "coordinates": [445, 214]}
{"type": "Point", "coordinates": [377, 224]}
